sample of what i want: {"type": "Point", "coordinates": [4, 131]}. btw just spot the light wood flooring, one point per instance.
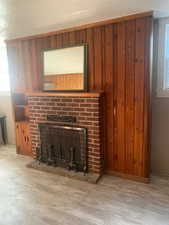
{"type": "Point", "coordinates": [30, 197]}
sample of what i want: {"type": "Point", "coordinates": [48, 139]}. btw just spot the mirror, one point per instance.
{"type": "Point", "coordinates": [65, 69]}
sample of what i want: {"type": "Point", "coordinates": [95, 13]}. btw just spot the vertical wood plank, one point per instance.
{"type": "Point", "coordinates": [82, 37]}
{"type": "Point", "coordinates": [65, 40]}
{"type": "Point", "coordinates": [103, 83]}
{"type": "Point", "coordinates": [129, 95]}
{"type": "Point", "coordinates": [98, 58]}
{"type": "Point", "coordinates": [34, 75]}
{"type": "Point", "coordinates": [147, 97]}
{"type": "Point", "coordinates": [53, 41]}
{"type": "Point", "coordinates": [59, 41]}
{"type": "Point", "coordinates": [115, 72]}
{"type": "Point", "coordinates": [121, 96]}
{"type": "Point", "coordinates": [46, 42]}
{"type": "Point", "coordinates": [108, 77]}
{"type": "Point", "coordinates": [39, 66]}
{"type": "Point", "coordinates": [20, 68]}
{"type": "Point", "coordinates": [139, 95]}
{"type": "Point", "coordinates": [72, 38]}
{"type": "Point", "coordinates": [27, 65]}
{"type": "Point", "coordinates": [91, 62]}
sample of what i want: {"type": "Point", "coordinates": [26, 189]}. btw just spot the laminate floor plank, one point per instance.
{"type": "Point", "coordinates": [32, 197]}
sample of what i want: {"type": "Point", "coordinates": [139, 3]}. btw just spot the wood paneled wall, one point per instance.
{"type": "Point", "coordinates": [73, 81]}
{"type": "Point", "coordinates": [118, 64]}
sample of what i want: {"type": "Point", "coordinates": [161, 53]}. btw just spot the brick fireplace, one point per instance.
{"type": "Point", "coordinates": [85, 108]}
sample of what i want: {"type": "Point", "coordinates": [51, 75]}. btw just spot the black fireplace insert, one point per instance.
{"type": "Point", "coordinates": [63, 146]}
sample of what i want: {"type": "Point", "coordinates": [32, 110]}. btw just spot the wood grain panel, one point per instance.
{"type": "Point", "coordinates": [147, 94]}
{"type": "Point", "coordinates": [23, 139]}
{"type": "Point", "coordinates": [108, 78]}
{"type": "Point", "coordinates": [34, 71]}
{"type": "Point", "coordinates": [59, 41]}
{"type": "Point", "coordinates": [72, 38]}
{"type": "Point", "coordinates": [129, 95]}
{"type": "Point", "coordinates": [28, 69]}
{"type": "Point", "coordinates": [80, 36]}
{"type": "Point", "coordinates": [114, 165]}
{"type": "Point", "coordinates": [65, 81]}
{"type": "Point", "coordinates": [121, 96]}
{"type": "Point", "coordinates": [65, 39]}
{"type": "Point", "coordinates": [91, 61]}
{"type": "Point", "coordinates": [98, 58]}
{"type": "Point", "coordinates": [139, 95]}
{"type": "Point", "coordinates": [118, 64]}
{"type": "Point", "coordinates": [38, 65]}
{"type": "Point", "coordinates": [53, 41]}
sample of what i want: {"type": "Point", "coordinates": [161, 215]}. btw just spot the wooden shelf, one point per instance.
{"type": "Point", "coordinates": [69, 94]}
{"type": "Point", "coordinates": [20, 107]}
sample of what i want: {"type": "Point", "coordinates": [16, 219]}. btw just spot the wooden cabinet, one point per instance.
{"type": "Point", "coordinates": [21, 117]}
{"type": "Point", "coordinates": [23, 141]}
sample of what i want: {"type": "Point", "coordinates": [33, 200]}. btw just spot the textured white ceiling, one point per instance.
{"type": "Point", "coordinates": [26, 17]}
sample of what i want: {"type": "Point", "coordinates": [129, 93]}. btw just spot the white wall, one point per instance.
{"type": "Point", "coordinates": [160, 122]}
{"type": "Point", "coordinates": [6, 109]}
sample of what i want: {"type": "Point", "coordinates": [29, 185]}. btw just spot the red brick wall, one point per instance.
{"type": "Point", "coordinates": [88, 115]}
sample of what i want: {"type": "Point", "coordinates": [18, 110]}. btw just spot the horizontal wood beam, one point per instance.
{"type": "Point", "coordinates": [64, 94]}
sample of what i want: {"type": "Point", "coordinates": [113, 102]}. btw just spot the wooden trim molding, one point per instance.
{"type": "Point", "coordinates": [86, 94]}
{"type": "Point", "coordinates": [145, 180]}
{"type": "Point", "coordinates": [85, 26]}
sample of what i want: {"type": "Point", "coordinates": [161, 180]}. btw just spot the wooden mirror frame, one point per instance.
{"type": "Point", "coordinates": [85, 75]}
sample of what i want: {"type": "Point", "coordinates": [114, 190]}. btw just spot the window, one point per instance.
{"type": "Point", "coordinates": [4, 75]}
{"type": "Point", "coordinates": [163, 59]}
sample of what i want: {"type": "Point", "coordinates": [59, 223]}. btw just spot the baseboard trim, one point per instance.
{"type": "Point", "coordinates": [160, 173]}
{"type": "Point", "coordinates": [129, 176]}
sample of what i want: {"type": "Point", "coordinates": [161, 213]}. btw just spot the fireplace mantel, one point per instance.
{"type": "Point", "coordinates": [65, 94]}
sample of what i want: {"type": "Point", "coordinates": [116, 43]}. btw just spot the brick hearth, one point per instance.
{"type": "Point", "coordinates": [87, 111]}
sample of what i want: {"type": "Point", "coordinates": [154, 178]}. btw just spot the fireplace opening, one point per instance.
{"type": "Point", "coordinates": [63, 146]}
